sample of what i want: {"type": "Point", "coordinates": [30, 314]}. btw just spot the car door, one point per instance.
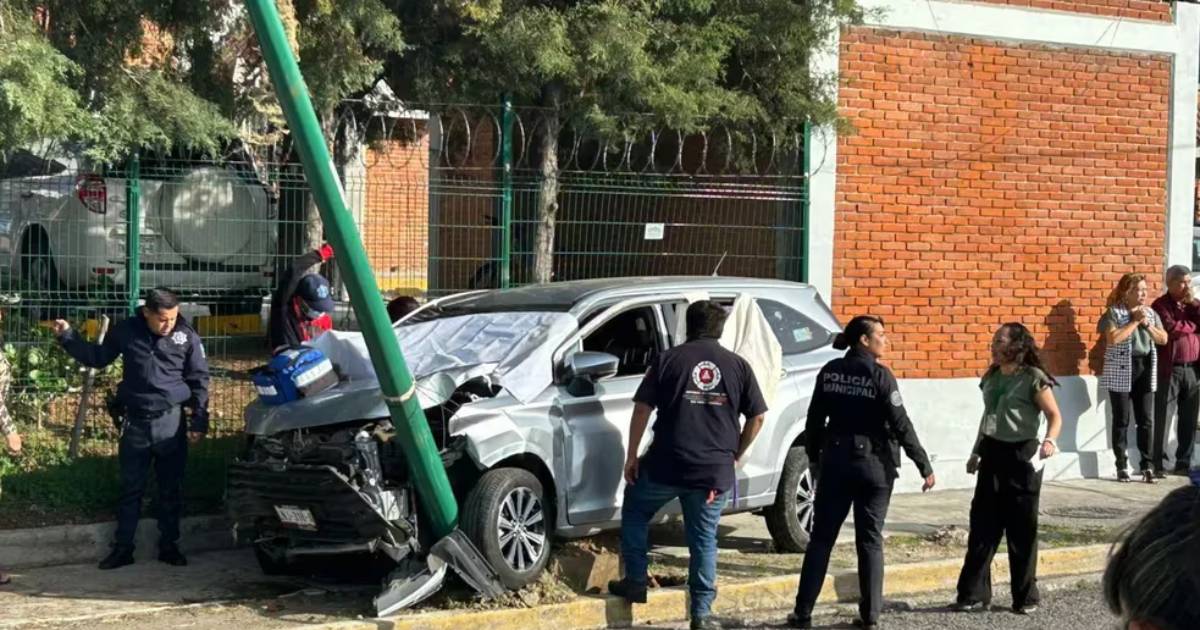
{"type": "Point", "coordinates": [594, 430]}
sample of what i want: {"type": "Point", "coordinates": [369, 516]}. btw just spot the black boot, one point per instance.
{"type": "Point", "coordinates": [629, 592]}
{"type": "Point", "coordinates": [170, 555]}
{"type": "Point", "coordinates": [117, 558]}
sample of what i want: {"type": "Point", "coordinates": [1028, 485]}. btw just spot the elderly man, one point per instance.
{"type": "Point", "coordinates": [1178, 371]}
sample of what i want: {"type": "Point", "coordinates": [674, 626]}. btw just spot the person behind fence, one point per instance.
{"type": "Point", "coordinates": [399, 307]}
{"type": "Point", "coordinates": [1153, 574]}
{"type": "Point", "coordinates": [165, 373]}
{"type": "Point", "coordinates": [1178, 371]}
{"type": "Point", "coordinates": [700, 390]}
{"type": "Point", "coordinates": [302, 305]}
{"type": "Point", "coordinates": [858, 458]}
{"type": "Point", "coordinates": [1008, 458]}
{"type": "Point", "coordinates": [8, 428]}
{"type": "Point", "coordinates": [1131, 331]}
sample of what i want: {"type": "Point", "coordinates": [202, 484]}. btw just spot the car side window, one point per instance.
{"type": "Point", "coordinates": [795, 332]}
{"type": "Point", "coordinates": [631, 336]}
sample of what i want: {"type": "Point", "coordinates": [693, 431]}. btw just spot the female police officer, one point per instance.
{"type": "Point", "coordinates": [859, 460]}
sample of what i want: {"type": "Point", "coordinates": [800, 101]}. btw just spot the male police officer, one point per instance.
{"type": "Point", "coordinates": [700, 389]}
{"type": "Point", "coordinates": [858, 457]}
{"type": "Point", "coordinates": [165, 370]}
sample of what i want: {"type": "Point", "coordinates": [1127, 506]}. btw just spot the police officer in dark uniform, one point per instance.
{"type": "Point", "coordinates": [859, 459]}
{"type": "Point", "coordinates": [165, 371]}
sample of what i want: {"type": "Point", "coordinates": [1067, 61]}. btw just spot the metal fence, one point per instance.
{"type": "Point", "coordinates": [446, 199]}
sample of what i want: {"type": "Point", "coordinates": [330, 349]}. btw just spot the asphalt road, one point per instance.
{"type": "Point", "coordinates": [1068, 605]}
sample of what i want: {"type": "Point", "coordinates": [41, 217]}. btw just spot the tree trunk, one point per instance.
{"type": "Point", "coordinates": [314, 231]}
{"type": "Point", "coordinates": [543, 249]}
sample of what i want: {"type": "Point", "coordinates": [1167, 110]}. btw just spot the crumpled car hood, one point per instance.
{"type": "Point", "coordinates": [513, 350]}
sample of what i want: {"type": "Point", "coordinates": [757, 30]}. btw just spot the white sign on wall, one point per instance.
{"type": "Point", "coordinates": [654, 231]}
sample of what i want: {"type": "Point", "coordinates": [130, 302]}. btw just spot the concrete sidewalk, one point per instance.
{"type": "Point", "coordinates": [225, 588]}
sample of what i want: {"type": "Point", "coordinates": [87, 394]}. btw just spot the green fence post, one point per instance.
{"type": "Point", "coordinates": [399, 392]}
{"type": "Point", "coordinates": [506, 196]}
{"type": "Point", "coordinates": [805, 205]}
{"type": "Point", "coordinates": [133, 236]}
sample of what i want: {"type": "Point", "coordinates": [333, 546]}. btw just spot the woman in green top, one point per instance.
{"type": "Point", "coordinates": [1131, 330]}
{"type": "Point", "coordinates": [1008, 458]}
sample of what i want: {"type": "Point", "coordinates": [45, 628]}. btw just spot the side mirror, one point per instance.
{"type": "Point", "coordinates": [585, 368]}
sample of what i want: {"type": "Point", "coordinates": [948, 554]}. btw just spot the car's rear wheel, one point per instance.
{"type": "Point", "coordinates": [790, 518]}
{"type": "Point", "coordinates": [46, 294]}
{"type": "Point", "coordinates": [508, 519]}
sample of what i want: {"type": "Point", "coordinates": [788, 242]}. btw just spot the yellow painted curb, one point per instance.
{"type": "Point", "coordinates": [774, 593]}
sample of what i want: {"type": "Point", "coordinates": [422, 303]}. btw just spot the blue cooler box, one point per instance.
{"type": "Point", "coordinates": [292, 375]}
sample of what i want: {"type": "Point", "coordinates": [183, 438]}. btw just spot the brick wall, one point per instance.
{"type": "Point", "coordinates": [396, 214]}
{"type": "Point", "coordinates": [989, 182]}
{"type": "Point", "coordinates": [1158, 10]}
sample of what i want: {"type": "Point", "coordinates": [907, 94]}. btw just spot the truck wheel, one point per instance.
{"type": "Point", "coordinates": [507, 518]}
{"type": "Point", "coordinates": [790, 518]}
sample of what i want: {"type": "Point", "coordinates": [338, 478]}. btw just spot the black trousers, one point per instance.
{"type": "Point", "coordinates": [158, 441]}
{"type": "Point", "coordinates": [1005, 504]}
{"type": "Point", "coordinates": [1138, 402]}
{"type": "Point", "coordinates": [851, 475]}
{"type": "Point", "coordinates": [1180, 392]}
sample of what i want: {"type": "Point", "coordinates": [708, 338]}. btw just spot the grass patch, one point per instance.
{"type": "Point", "coordinates": [46, 487]}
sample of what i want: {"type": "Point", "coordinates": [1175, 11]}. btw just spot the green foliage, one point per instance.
{"type": "Point", "coordinates": [687, 63]}
{"type": "Point", "coordinates": [35, 100]}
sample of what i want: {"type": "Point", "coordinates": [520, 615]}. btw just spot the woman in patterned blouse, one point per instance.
{"type": "Point", "coordinates": [8, 428]}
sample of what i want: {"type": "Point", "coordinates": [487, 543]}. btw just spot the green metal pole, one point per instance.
{"type": "Point", "coordinates": [133, 235]}
{"type": "Point", "coordinates": [506, 198]}
{"type": "Point", "coordinates": [807, 203]}
{"type": "Point", "coordinates": [412, 429]}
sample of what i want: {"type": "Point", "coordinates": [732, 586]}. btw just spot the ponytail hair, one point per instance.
{"type": "Point", "coordinates": [859, 326]}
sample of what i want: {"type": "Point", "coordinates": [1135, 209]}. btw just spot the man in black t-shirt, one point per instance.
{"type": "Point", "coordinates": [700, 389]}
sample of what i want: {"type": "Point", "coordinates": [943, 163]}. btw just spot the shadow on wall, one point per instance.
{"type": "Point", "coordinates": [1063, 352]}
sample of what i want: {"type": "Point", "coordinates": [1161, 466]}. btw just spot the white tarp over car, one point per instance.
{"type": "Point", "coordinates": [512, 349]}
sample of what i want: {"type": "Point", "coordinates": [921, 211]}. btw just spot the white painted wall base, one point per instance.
{"type": "Point", "coordinates": [946, 413]}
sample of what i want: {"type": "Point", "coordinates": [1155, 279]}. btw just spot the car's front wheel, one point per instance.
{"type": "Point", "coordinates": [507, 517]}
{"type": "Point", "coordinates": [790, 518]}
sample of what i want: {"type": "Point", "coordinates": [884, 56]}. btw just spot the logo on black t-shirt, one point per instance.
{"type": "Point", "coordinates": [706, 375]}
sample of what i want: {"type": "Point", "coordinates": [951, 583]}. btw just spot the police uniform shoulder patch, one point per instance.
{"type": "Point", "coordinates": [179, 337]}
{"type": "Point", "coordinates": [895, 398]}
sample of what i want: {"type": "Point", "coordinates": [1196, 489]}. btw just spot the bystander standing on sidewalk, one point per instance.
{"type": "Point", "coordinates": [8, 428]}
{"type": "Point", "coordinates": [1008, 457]}
{"type": "Point", "coordinates": [1131, 330]}
{"type": "Point", "coordinates": [1178, 371]}
{"type": "Point", "coordinates": [700, 390]}
{"type": "Point", "coordinates": [859, 458]}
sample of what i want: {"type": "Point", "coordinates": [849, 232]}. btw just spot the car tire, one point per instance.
{"type": "Point", "coordinates": [790, 518]}
{"type": "Point", "coordinates": [39, 275]}
{"type": "Point", "coordinates": [512, 534]}
{"type": "Point", "coordinates": [271, 559]}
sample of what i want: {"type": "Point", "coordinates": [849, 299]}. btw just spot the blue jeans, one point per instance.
{"type": "Point", "coordinates": [642, 501]}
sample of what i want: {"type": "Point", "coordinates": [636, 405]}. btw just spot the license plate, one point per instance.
{"type": "Point", "coordinates": [292, 516]}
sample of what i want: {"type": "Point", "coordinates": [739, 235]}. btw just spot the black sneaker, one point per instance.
{"type": "Point", "coordinates": [117, 558]}
{"type": "Point", "coordinates": [1148, 477]}
{"type": "Point", "coordinates": [1180, 471]}
{"type": "Point", "coordinates": [1027, 609]}
{"type": "Point", "coordinates": [170, 555]}
{"type": "Point", "coordinates": [631, 593]}
{"type": "Point", "coordinates": [1160, 474]}
{"type": "Point", "coordinates": [705, 623]}
{"type": "Point", "coordinates": [969, 607]}
{"type": "Point", "coordinates": [1123, 476]}
{"type": "Point", "coordinates": [866, 625]}
{"type": "Point", "coordinates": [796, 621]}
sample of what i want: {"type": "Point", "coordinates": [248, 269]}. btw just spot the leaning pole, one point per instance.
{"type": "Point", "coordinates": [424, 462]}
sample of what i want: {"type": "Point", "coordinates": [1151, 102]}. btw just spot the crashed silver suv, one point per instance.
{"type": "Point", "coordinates": [528, 393]}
